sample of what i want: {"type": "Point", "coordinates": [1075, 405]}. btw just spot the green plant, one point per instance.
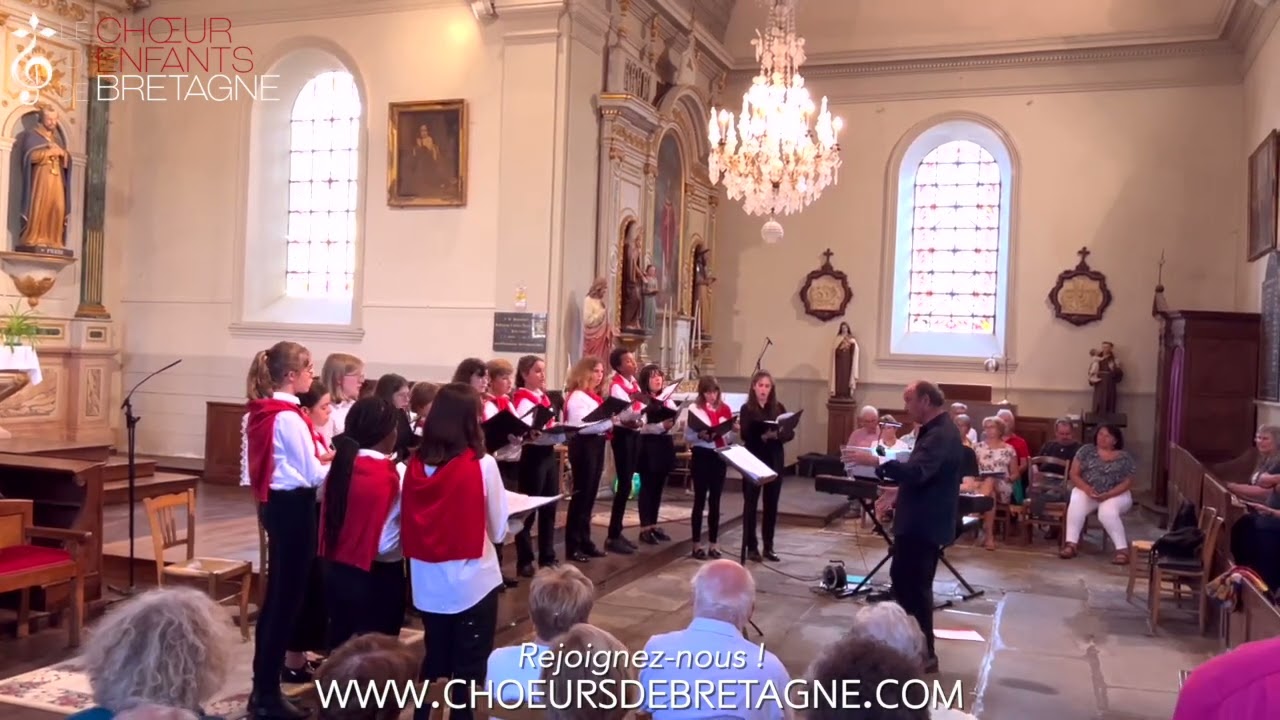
{"type": "Point", "coordinates": [19, 327]}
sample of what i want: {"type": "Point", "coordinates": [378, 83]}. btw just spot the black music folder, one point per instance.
{"type": "Point", "coordinates": [700, 426]}
{"type": "Point", "coordinates": [499, 429]}
{"type": "Point", "coordinates": [658, 412]}
{"type": "Point", "coordinates": [785, 421]}
{"type": "Point", "coordinates": [608, 409]}
{"type": "Point", "coordinates": [557, 401]}
{"type": "Point", "coordinates": [538, 416]}
{"type": "Point", "coordinates": [752, 468]}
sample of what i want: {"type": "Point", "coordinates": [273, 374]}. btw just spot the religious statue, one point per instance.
{"type": "Point", "coordinates": [650, 293]}
{"type": "Point", "coordinates": [632, 277]}
{"type": "Point", "coordinates": [46, 185]}
{"type": "Point", "coordinates": [844, 363]}
{"type": "Point", "coordinates": [1104, 374]}
{"type": "Point", "coordinates": [702, 281]}
{"type": "Point", "coordinates": [597, 335]}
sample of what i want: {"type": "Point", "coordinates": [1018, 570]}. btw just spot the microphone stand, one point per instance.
{"type": "Point", "coordinates": [760, 357]}
{"type": "Point", "coordinates": [131, 427]}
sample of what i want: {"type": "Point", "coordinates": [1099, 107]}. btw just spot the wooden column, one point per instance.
{"type": "Point", "coordinates": [95, 191]}
{"type": "Point", "coordinates": [842, 417]}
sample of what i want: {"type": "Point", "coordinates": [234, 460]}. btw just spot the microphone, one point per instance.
{"type": "Point", "coordinates": [768, 341]}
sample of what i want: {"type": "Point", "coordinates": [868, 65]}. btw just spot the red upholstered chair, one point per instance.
{"type": "Point", "coordinates": [24, 565]}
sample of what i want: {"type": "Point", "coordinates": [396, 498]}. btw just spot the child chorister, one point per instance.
{"type": "Point", "coordinates": [497, 400]}
{"type": "Point", "coordinates": [454, 511]}
{"type": "Point", "coordinates": [284, 473]}
{"type": "Point", "coordinates": [359, 531]}
{"type": "Point", "coordinates": [420, 399]}
{"type": "Point", "coordinates": [343, 375]}
{"type": "Point", "coordinates": [657, 457]}
{"type": "Point", "coordinates": [626, 446]}
{"type": "Point", "coordinates": [706, 467]}
{"type": "Point", "coordinates": [586, 457]}
{"type": "Point", "coordinates": [536, 473]}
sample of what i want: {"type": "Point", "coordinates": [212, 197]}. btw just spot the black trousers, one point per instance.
{"type": "Point", "coordinates": [289, 517]}
{"type": "Point", "coordinates": [510, 472]}
{"type": "Point", "coordinates": [707, 469]}
{"type": "Point", "coordinates": [626, 451]}
{"type": "Point", "coordinates": [458, 648]}
{"type": "Point", "coordinates": [657, 457]}
{"type": "Point", "coordinates": [915, 561]}
{"type": "Point", "coordinates": [361, 601]}
{"type": "Point", "coordinates": [537, 476]}
{"type": "Point", "coordinates": [586, 460]}
{"type": "Point", "coordinates": [772, 492]}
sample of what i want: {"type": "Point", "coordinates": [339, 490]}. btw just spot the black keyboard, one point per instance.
{"type": "Point", "coordinates": [859, 489]}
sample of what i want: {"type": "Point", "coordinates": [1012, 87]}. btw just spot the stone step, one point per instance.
{"type": "Point", "coordinates": [116, 492]}
{"type": "Point", "coordinates": [118, 468]}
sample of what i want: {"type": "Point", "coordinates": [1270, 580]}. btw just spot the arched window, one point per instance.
{"type": "Point", "coordinates": [324, 136]}
{"type": "Point", "coordinates": [951, 243]}
{"type": "Point", "coordinates": [301, 255]}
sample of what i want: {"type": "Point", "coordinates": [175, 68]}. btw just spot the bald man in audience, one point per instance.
{"type": "Point", "coordinates": [724, 596]}
{"type": "Point", "coordinates": [868, 430]}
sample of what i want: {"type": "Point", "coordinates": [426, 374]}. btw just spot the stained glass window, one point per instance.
{"type": "Point", "coordinates": [955, 241]}
{"type": "Point", "coordinates": [324, 133]}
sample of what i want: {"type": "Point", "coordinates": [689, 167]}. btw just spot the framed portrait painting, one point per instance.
{"type": "Point", "coordinates": [427, 154]}
{"type": "Point", "coordinates": [1263, 166]}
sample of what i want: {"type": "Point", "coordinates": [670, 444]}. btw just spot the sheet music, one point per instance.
{"type": "Point", "coordinates": [667, 392]}
{"type": "Point", "coordinates": [787, 416]}
{"type": "Point", "coordinates": [746, 463]}
{"type": "Point", "coordinates": [547, 438]}
{"type": "Point", "coordinates": [597, 428]}
{"type": "Point", "coordinates": [519, 505]}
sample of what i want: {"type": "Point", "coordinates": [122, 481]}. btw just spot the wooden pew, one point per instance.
{"type": "Point", "coordinates": [66, 494]}
{"type": "Point", "coordinates": [1186, 476]}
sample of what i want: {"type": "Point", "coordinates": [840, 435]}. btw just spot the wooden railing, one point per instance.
{"type": "Point", "coordinates": [1190, 481]}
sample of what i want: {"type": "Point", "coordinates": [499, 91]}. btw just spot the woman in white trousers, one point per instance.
{"type": "Point", "coordinates": [1102, 476]}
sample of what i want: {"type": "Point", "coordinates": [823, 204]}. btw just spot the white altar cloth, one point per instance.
{"type": "Point", "coordinates": [21, 358]}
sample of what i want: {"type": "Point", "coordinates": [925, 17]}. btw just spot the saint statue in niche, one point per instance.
{"type": "Point", "coordinates": [702, 281]}
{"type": "Point", "coordinates": [597, 335]}
{"type": "Point", "coordinates": [650, 293]}
{"type": "Point", "coordinates": [46, 186]}
{"type": "Point", "coordinates": [632, 281]}
{"type": "Point", "coordinates": [844, 363]}
{"type": "Point", "coordinates": [1105, 374]}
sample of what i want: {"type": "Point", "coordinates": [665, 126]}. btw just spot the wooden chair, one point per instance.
{"type": "Point", "coordinates": [1047, 470]}
{"type": "Point", "coordinates": [215, 572]}
{"type": "Point", "coordinates": [1140, 553]}
{"type": "Point", "coordinates": [25, 565]}
{"type": "Point", "coordinates": [1195, 573]}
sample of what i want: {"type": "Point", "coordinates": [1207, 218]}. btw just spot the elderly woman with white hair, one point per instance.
{"type": "Point", "coordinates": [169, 647]}
{"type": "Point", "coordinates": [868, 430]}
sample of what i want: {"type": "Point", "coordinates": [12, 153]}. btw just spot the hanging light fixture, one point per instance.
{"type": "Point", "coordinates": [778, 157]}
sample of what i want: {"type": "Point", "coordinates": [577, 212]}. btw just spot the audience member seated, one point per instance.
{"type": "Point", "coordinates": [169, 647]}
{"type": "Point", "coordinates": [967, 434]}
{"type": "Point", "coordinates": [559, 598]}
{"type": "Point", "coordinates": [1243, 684]}
{"type": "Point", "coordinates": [565, 678]}
{"type": "Point", "coordinates": [1016, 441]}
{"type": "Point", "coordinates": [1255, 537]}
{"type": "Point", "coordinates": [156, 712]}
{"type": "Point", "coordinates": [724, 595]}
{"type": "Point", "coordinates": [960, 416]}
{"type": "Point", "coordinates": [868, 430]}
{"type": "Point", "coordinates": [888, 624]}
{"type": "Point", "coordinates": [888, 439]}
{"type": "Point", "coordinates": [371, 660]}
{"type": "Point", "coordinates": [998, 467]}
{"type": "Point", "coordinates": [883, 673]}
{"type": "Point", "coordinates": [1102, 474]}
{"type": "Point", "coordinates": [1052, 489]}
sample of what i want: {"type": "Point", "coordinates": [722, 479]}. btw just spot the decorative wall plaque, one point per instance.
{"type": "Point", "coordinates": [826, 292]}
{"type": "Point", "coordinates": [1081, 295]}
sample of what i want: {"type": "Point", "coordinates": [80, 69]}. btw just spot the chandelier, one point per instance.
{"type": "Point", "coordinates": [777, 158]}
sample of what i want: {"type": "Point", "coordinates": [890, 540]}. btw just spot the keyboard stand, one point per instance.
{"type": "Point", "coordinates": [864, 585]}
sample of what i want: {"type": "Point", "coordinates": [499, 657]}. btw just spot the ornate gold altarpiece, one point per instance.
{"type": "Point", "coordinates": [78, 345]}
{"type": "Point", "coordinates": [653, 173]}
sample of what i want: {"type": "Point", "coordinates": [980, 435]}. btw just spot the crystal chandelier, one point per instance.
{"type": "Point", "coordinates": [774, 159]}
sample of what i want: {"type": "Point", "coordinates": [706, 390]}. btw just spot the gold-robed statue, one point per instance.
{"type": "Point", "coordinates": [46, 186]}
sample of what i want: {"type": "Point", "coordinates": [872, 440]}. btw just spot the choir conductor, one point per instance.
{"type": "Point", "coordinates": [925, 499]}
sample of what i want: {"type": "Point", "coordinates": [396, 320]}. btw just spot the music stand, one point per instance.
{"type": "Point", "coordinates": [748, 476]}
{"type": "Point", "coordinates": [131, 428]}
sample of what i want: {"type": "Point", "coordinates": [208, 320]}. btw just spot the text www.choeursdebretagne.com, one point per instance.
{"type": "Point", "coordinates": [609, 694]}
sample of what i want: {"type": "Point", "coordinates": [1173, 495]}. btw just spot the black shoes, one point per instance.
{"type": "Point", "coordinates": [649, 537]}
{"type": "Point", "coordinates": [754, 556]}
{"type": "Point", "coordinates": [579, 557]}
{"type": "Point", "coordinates": [525, 570]}
{"type": "Point", "coordinates": [931, 666]}
{"type": "Point", "coordinates": [620, 546]}
{"type": "Point", "coordinates": [509, 581]}
{"type": "Point", "coordinates": [771, 556]}
{"type": "Point", "coordinates": [661, 535]}
{"type": "Point", "coordinates": [303, 674]}
{"type": "Point", "coordinates": [274, 707]}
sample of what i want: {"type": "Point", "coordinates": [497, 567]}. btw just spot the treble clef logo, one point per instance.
{"type": "Point", "coordinates": [33, 72]}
